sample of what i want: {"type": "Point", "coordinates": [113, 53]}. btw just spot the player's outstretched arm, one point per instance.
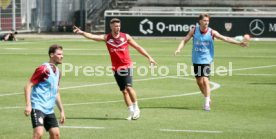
{"type": "Point", "coordinates": [88, 35]}
{"type": "Point", "coordinates": [60, 107]}
{"type": "Point", "coordinates": [183, 42]}
{"type": "Point", "coordinates": [140, 49]}
{"type": "Point", "coordinates": [27, 91]}
{"type": "Point", "coordinates": [230, 40]}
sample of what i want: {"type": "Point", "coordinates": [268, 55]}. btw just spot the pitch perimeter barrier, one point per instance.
{"type": "Point", "coordinates": [174, 26]}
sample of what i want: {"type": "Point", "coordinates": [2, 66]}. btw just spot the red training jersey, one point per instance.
{"type": "Point", "coordinates": [118, 50]}
{"type": "Point", "coordinates": [41, 74]}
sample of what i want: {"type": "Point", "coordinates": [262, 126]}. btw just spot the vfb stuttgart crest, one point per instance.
{"type": "Point", "coordinates": [228, 26]}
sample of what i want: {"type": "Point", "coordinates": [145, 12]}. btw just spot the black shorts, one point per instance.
{"type": "Point", "coordinates": [201, 70]}
{"type": "Point", "coordinates": [123, 78]}
{"type": "Point", "coordinates": [41, 119]}
{"type": "Point", "coordinates": [2, 36]}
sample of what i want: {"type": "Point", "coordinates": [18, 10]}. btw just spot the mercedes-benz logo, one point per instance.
{"type": "Point", "coordinates": [256, 27]}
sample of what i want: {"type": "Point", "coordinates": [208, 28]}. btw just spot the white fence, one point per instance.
{"type": "Point", "coordinates": [46, 15]}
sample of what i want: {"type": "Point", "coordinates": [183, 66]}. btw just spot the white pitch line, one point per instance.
{"type": "Point", "coordinates": [108, 83]}
{"type": "Point", "coordinates": [92, 50]}
{"type": "Point", "coordinates": [15, 48]}
{"type": "Point", "coordinates": [88, 85]}
{"type": "Point", "coordinates": [83, 127]}
{"type": "Point", "coordinates": [215, 86]}
{"type": "Point", "coordinates": [12, 107]}
{"type": "Point", "coordinates": [88, 103]}
{"type": "Point", "coordinates": [191, 131]}
{"type": "Point", "coordinates": [250, 68]}
{"type": "Point", "coordinates": [268, 66]}
{"type": "Point", "coordinates": [11, 94]}
{"type": "Point", "coordinates": [256, 74]}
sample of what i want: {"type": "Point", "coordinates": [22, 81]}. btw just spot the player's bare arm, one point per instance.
{"type": "Point", "coordinates": [229, 40]}
{"type": "Point", "coordinates": [184, 41]}
{"type": "Point", "coordinates": [27, 91]}
{"type": "Point", "coordinates": [60, 107]}
{"type": "Point", "coordinates": [89, 35]}
{"type": "Point", "coordinates": [7, 37]}
{"type": "Point", "coordinates": [140, 49]}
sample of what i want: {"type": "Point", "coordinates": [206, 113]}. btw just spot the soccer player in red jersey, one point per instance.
{"type": "Point", "coordinates": [117, 45]}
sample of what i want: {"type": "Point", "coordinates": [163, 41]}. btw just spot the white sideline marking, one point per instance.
{"type": "Point", "coordinates": [15, 48]}
{"type": "Point", "coordinates": [191, 131]}
{"type": "Point", "coordinates": [78, 54]}
{"type": "Point", "coordinates": [100, 84]}
{"type": "Point", "coordinates": [83, 127]}
{"type": "Point", "coordinates": [215, 86]}
{"type": "Point", "coordinates": [268, 66]}
{"type": "Point", "coordinates": [11, 94]}
{"type": "Point", "coordinates": [256, 74]}
{"type": "Point", "coordinates": [80, 49]}
{"type": "Point", "coordinates": [88, 85]}
{"type": "Point", "coordinates": [87, 103]}
{"type": "Point", "coordinates": [259, 67]}
{"type": "Point", "coordinates": [15, 107]}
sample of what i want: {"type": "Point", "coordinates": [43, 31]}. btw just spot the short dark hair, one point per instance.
{"type": "Point", "coordinates": [201, 16]}
{"type": "Point", "coordinates": [53, 48]}
{"type": "Point", "coordinates": [115, 20]}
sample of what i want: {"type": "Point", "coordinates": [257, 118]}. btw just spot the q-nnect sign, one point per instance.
{"type": "Point", "coordinates": [154, 26]}
{"type": "Point", "coordinates": [180, 26]}
{"type": "Point", "coordinates": [148, 27]}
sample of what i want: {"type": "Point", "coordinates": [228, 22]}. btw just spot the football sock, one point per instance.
{"type": "Point", "coordinates": [207, 101]}
{"type": "Point", "coordinates": [135, 105]}
{"type": "Point", "coordinates": [130, 109]}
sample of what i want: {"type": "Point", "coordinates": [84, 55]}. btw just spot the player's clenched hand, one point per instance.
{"type": "Point", "coordinates": [152, 61]}
{"type": "Point", "coordinates": [244, 44]}
{"type": "Point", "coordinates": [77, 30]}
{"type": "Point", "coordinates": [28, 110]}
{"type": "Point", "coordinates": [62, 118]}
{"type": "Point", "coordinates": [176, 52]}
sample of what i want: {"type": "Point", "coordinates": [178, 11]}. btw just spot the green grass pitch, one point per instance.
{"type": "Point", "coordinates": [243, 105]}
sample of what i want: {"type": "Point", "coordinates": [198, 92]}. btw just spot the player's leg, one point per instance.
{"type": "Point", "coordinates": [207, 91]}
{"type": "Point", "coordinates": [206, 87]}
{"type": "Point", "coordinates": [38, 123]}
{"type": "Point", "coordinates": [133, 97]}
{"type": "Point", "coordinates": [54, 133]}
{"type": "Point", "coordinates": [38, 132]}
{"type": "Point", "coordinates": [198, 68]}
{"type": "Point", "coordinates": [129, 104]}
{"type": "Point", "coordinates": [120, 79]}
{"type": "Point", "coordinates": [199, 81]}
{"type": "Point", "coordinates": [203, 84]}
{"type": "Point", "coordinates": [127, 97]}
{"type": "Point", "coordinates": [127, 81]}
{"type": "Point", "coordinates": [51, 125]}
{"type": "Point", "coordinates": [202, 72]}
{"type": "Point", "coordinates": [132, 93]}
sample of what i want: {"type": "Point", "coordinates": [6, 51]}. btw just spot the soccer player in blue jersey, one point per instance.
{"type": "Point", "coordinates": [203, 53]}
{"type": "Point", "coordinates": [42, 93]}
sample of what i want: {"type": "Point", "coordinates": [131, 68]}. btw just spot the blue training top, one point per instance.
{"type": "Point", "coordinates": [43, 96]}
{"type": "Point", "coordinates": [203, 47]}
